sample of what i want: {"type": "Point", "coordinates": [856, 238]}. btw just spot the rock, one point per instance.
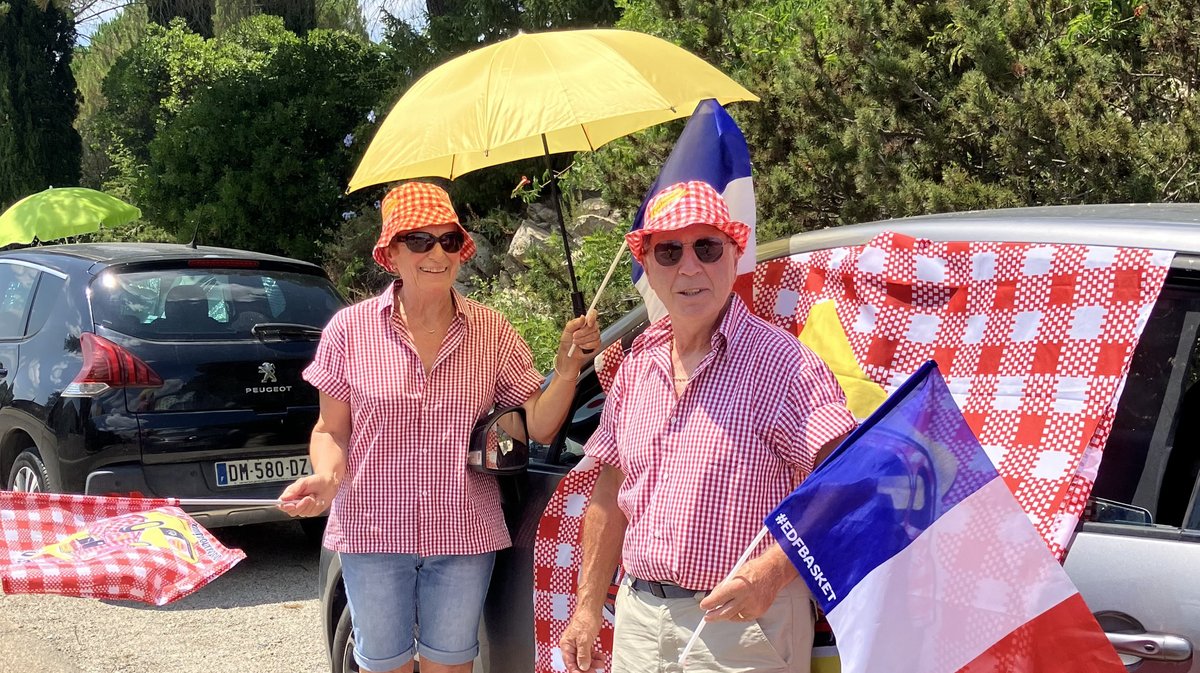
{"type": "Point", "coordinates": [528, 236]}
{"type": "Point", "coordinates": [586, 225]}
{"type": "Point", "coordinates": [593, 206]}
{"type": "Point", "coordinates": [542, 213]}
{"type": "Point", "coordinates": [484, 264]}
{"type": "Point", "coordinates": [489, 262]}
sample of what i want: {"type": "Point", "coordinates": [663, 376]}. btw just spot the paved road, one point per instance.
{"type": "Point", "coordinates": [260, 616]}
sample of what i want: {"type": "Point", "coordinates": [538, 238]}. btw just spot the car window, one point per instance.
{"type": "Point", "coordinates": [1153, 452]}
{"type": "Point", "coordinates": [49, 289]}
{"type": "Point", "coordinates": [16, 287]}
{"type": "Point", "coordinates": [210, 303]}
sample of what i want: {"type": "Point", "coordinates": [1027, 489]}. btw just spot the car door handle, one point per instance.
{"type": "Point", "coordinates": [1156, 646]}
{"type": "Point", "coordinates": [3, 372]}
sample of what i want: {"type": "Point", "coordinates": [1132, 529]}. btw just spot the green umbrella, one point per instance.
{"type": "Point", "coordinates": [61, 212]}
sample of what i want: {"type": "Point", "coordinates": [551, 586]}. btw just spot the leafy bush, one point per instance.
{"type": "Point", "coordinates": [247, 138]}
{"type": "Point", "coordinates": [538, 302]}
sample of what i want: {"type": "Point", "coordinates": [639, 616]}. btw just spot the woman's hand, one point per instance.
{"type": "Point", "coordinates": [309, 496]}
{"type": "Point", "coordinates": [583, 334]}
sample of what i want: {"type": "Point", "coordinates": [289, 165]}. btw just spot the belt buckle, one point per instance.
{"type": "Point", "coordinates": [657, 589]}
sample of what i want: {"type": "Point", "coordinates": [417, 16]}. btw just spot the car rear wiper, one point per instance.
{"type": "Point", "coordinates": [285, 331]}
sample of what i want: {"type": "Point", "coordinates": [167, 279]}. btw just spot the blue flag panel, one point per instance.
{"type": "Point", "coordinates": [905, 466]}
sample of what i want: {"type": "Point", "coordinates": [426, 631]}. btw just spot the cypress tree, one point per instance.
{"type": "Point", "coordinates": [39, 147]}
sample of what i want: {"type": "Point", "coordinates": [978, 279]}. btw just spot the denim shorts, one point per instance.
{"type": "Point", "coordinates": [402, 604]}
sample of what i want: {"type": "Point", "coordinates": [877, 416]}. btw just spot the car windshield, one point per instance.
{"type": "Point", "coordinates": [183, 304]}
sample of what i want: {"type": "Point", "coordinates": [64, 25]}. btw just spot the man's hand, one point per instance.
{"type": "Point", "coordinates": [578, 343]}
{"type": "Point", "coordinates": [748, 595]}
{"type": "Point", "coordinates": [579, 640]}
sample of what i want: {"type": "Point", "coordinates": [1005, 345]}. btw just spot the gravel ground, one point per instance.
{"type": "Point", "coordinates": [261, 616]}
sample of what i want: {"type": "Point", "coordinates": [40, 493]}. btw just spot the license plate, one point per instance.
{"type": "Point", "coordinates": [261, 470]}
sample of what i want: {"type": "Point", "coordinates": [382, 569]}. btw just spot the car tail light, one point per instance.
{"type": "Point", "coordinates": [107, 365]}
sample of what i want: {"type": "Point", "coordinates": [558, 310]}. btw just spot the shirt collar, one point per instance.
{"type": "Point", "coordinates": [731, 324]}
{"type": "Point", "coordinates": [385, 301]}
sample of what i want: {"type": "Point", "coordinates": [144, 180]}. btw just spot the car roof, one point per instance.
{"type": "Point", "coordinates": [1162, 226]}
{"type": "Point", "coordinates": [105, 254]}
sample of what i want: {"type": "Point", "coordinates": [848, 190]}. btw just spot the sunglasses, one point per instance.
{"type": "Point", "coordinates": [422, 241]}
{"type": "Point", "coordinates": [708, 250]}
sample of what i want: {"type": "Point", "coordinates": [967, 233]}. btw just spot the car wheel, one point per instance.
{"type": "Point", "coordinates": [343, 644]}
{"type": "Point", "coordinates": [29, 474]}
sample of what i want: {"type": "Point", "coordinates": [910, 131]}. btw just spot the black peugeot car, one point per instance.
{"type": "Point", "coordinates": [157, 369]}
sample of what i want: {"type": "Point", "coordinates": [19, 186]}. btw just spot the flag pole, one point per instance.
{"type": "Point", "coordinates": [227, 502]}
{"type": "Point", "coordinates": [603, 284]}
{"type": "Point", "coordinates": [740, 562]}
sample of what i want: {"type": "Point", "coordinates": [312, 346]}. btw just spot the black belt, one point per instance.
{"type": "Point", "coordinates": [661, 589]}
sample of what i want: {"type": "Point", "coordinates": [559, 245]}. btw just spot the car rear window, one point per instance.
{"type": "Point", "coordinates": [203, 304]}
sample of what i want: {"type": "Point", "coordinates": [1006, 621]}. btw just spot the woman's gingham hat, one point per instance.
{"type": "Point", "coordinates": [414, 205]}
{"type": "Point", "coordinates": [682, 205]}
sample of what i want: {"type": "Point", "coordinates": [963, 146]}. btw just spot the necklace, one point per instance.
{"type": "Point", "coordinates": [407, 318]}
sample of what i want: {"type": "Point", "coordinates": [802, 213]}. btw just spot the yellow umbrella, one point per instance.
{"type": "Point", "coordinates": [534, 95]}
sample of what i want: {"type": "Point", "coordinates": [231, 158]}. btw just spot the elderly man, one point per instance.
{"type": "Point", "coordinates": [714, 417]}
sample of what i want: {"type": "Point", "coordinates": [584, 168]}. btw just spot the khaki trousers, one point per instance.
{"type": "Point", "coordinates": [651, 632]}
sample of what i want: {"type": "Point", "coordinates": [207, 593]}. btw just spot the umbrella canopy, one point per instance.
{"type": "Point", "coordinates": [535, 94]}
{"type": "Point", "coordinates": [61, 212]}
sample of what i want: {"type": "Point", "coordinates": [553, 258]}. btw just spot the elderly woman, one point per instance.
{"type": "Point", "coordinates": [403, 377]}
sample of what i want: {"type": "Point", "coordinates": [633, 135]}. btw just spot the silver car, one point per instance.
{"type": "Point", "coordinates": [1136, 558]}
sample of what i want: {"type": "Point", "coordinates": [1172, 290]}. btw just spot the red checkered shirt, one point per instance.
{"type": "Point", "coordinates": [702, 470]}
{"type": "Point", "coordinates": [407, 487]}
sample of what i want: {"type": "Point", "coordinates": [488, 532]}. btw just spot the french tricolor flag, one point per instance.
{"type": "Point", "coordinates": [711, 149]}
{"type": "Point", "coordinates": [923, 560]}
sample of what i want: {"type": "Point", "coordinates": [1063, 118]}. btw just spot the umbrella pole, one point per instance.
{"type": "Point", "coordinates": [576, 295]}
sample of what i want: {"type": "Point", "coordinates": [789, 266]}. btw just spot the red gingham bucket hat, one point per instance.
{"type": "Point", "coordinates": [682, 205]}
{"type": "Point", "coordinates": [414, 205]}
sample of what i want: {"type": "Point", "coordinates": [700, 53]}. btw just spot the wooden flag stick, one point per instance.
{"type": "Point", "coordinates": [603, 284]}
{"type": "Point", "coordinates": [741, 560]}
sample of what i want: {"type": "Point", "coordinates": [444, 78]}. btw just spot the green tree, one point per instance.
{"type": "Point", "coordinates": [91, 65]}
{"type": "Point", "coordinates": [248, 137]}
{"type": "Point", "coordinates": [882, 108]}
{"type": "Point", "coordinates": [38, 101]}
{"type": "Point", "coordinates": [196, 14]}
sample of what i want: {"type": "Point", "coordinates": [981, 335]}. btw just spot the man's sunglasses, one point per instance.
{"type": "Point", "coordinates": [422, 241]}
{"type": "Point", "coordinates": [708, 250]}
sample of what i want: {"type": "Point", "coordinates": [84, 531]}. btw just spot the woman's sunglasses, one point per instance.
{"type": "Point", "coordinates": [422, 241]}
{"type": "Point", "coordinates": [708, 250]}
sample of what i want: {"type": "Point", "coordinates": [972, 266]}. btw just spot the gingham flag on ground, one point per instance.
{"type": "Point", "coordinates": [137, 549]}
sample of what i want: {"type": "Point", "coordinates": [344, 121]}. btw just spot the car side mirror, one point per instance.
{"type": "Point", "coordinates": [500, 443]}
